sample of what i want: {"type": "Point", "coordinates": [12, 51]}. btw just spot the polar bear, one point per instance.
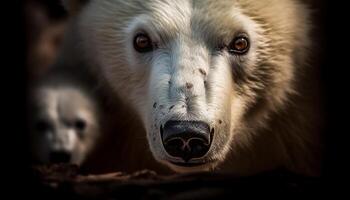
{"type": "Point", "coordinates": [64, 123]}
{"type": "Point", "coordinates": [216, 85]}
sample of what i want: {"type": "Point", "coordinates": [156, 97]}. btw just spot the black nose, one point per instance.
{"type": "Point", "coordinates": [186, 139]}
{"type": "Point", "coordinates": [60, 157]}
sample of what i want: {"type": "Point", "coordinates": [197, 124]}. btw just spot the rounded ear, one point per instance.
{"type": "Point", "coordinates": [73, 6]}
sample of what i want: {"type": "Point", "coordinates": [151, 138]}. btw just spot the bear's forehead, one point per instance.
{"type": "Point", "coordinates": [192, 13]}
{"type": "Point", "coordinates": [59, 103]}
{"type": "Point", "coordinates": [199, 19]}
{"type": "Point", "coordinates": [207, 18]}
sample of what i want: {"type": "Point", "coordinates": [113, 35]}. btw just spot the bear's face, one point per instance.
{"type": "Point", "coordinates": [200, 74]}
{"type": "Point", "coordinates": [63, 127]}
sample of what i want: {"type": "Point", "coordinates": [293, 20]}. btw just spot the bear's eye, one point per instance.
{"type": "Point", "coordinates": [142, 43]}
{"type": "Point", "coordinates": [239, 45]}
{"type": "Point", "coordinates": [42, 126]}
{"type": "Point", "coordinates": [80, 124]}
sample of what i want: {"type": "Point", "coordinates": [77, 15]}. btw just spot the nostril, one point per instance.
{"type": "Point", "coordinates": [198, 147]}
{"type": "Point", "coordinates": [60, 157]}
{"type": "Point", "coordinates": [175, 147]}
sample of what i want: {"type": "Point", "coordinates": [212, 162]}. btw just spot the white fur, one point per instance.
{"type": "Point", "coordinates": [59, 108]}
{"type": "Point", "coordinates": [187, 34]}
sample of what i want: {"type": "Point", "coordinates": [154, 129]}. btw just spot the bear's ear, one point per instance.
{"type": "Point", "coordinates": [73, 6]}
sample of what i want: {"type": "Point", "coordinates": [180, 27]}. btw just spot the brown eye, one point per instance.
{"type": "Point", "coordinates": [239, 45]}
{"type": "Point", "coordinates": [142, 43]}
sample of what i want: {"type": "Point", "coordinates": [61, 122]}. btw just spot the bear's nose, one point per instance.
{"type": "Point", "coordinates": [60, 157]}
{"type": "Point", "coordinates": [186, 139]}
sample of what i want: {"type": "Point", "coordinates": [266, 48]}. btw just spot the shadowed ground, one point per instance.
{"type": "Point", "coordinates": [66, 182]}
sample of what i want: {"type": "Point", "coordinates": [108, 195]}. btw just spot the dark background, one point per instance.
{"type": "Point", "coordinates": [331, 26]}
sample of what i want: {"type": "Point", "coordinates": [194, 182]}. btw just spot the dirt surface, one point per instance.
{"type": "Point", "coordinates": [66, 182]}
